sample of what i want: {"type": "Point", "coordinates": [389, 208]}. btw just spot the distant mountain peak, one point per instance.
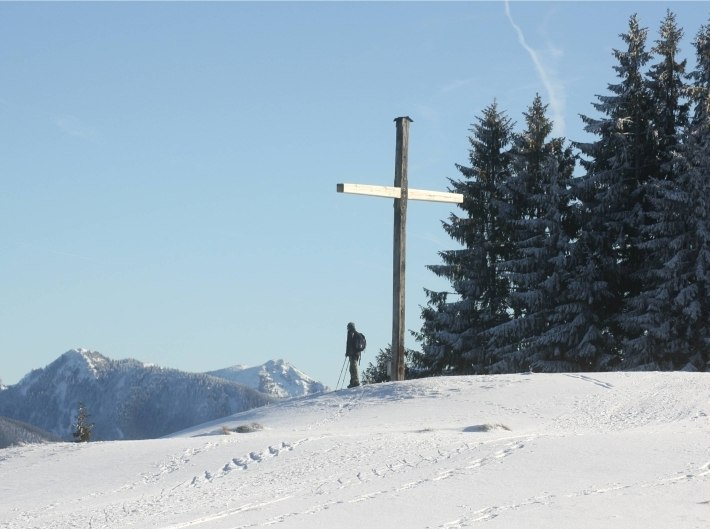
{"type": "Point", "coordinates": [275, 377]}
{"type": "Point", "coordinates": [126, 398]}
{"type": "Point", "coordinates": [84, 362]}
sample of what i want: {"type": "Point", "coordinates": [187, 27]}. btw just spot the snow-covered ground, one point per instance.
{"type": "Point", "coordinates": [613, 450]}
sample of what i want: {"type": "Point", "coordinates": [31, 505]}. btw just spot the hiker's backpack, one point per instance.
{"type": "Point", "coordinates": [359, 342]}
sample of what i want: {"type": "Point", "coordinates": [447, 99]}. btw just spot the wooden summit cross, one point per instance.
{"type": "Point", "coordinates": [401, 194]}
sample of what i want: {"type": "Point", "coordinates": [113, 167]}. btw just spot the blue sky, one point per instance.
{"type": "Point", "coordinates": [168, 170]}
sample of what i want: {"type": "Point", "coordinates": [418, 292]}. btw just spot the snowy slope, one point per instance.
{"type": "Point", "coordinates": [276, 378]}
{"type": "Point", "coordinates": [612, 450]}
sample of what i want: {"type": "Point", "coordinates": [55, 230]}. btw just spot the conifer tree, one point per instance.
{"type": "Point", "coordinates": [82, 428]}
{"type": "Point", "coordinates": [453, 334]}
{"type": "Point", "coordinates": [667, 89]}
{"type": "Point", "coordinates": [540, 231]}
{"type": "Point", "coordinates": [695, 169]}
{"type": "Point", "coordinates": [647, 336]}
{"type": "Point", "coordinates": [677, 320]}
{"type": "Point", "coordinates": [619, 165]}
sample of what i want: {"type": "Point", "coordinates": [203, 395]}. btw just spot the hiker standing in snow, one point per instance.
{"type": "Point", "coordinates": [354, 347]}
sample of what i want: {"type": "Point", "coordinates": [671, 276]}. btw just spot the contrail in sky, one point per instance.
{"type": "Point", "coordinates": [556, 100]}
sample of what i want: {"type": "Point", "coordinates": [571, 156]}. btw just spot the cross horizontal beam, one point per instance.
{"type": "Point", "coordinates": [396, 192]}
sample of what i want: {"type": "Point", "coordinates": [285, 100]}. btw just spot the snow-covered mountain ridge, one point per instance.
{"type": "Point", "coordinates": [128, 399]}
{"type": "Point", "coordinates": [275, 377]}
{"type": "Point", "coordinates": [588, 451]}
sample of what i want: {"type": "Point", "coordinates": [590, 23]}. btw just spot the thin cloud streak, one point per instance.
{"type": "Point", "coordinates": [556, 99]}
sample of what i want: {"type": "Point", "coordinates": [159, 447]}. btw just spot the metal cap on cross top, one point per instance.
{"type": "Point", "coordinates": [401, 193]}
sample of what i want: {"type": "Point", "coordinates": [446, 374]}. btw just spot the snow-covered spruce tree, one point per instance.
{"type": "Point", "coordinates": [648, 338]}
{"type": "Point", "coordinates": [693, 300]}
{"type": "Point", "coordinates": [678, 324]}
{"type": "Point", "coordinates": [668, 90]}
{"type": "Point", "coordinates": [82, 428]}
{"type": "Point", "coordinates": [620, 165]}
{"type": "Point", "coordinates": [541, 169]}
{"type": "Point", "coordinates": [453, 333]}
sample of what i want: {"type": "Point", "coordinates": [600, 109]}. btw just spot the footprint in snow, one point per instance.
{"type": "Point", "coordinates": [243, 463]}
{"type": "Point", "coordinates": [240, 463]}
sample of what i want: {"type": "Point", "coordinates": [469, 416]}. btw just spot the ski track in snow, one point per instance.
{"type": "Point", "coordinates": [587, 378]}
{"type": "Point", "coordinates": [489, 513]}
{"type": "Point", "coordinates": [347, 486]}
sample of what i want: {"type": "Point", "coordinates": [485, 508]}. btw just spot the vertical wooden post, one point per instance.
{"type": "Point", "coordinates": [401, 194]}
{"type": "Point", "coordinates": [400, 223]}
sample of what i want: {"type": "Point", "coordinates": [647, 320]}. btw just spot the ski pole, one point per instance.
{"type": "Point", "coordinates": [341, 372]}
